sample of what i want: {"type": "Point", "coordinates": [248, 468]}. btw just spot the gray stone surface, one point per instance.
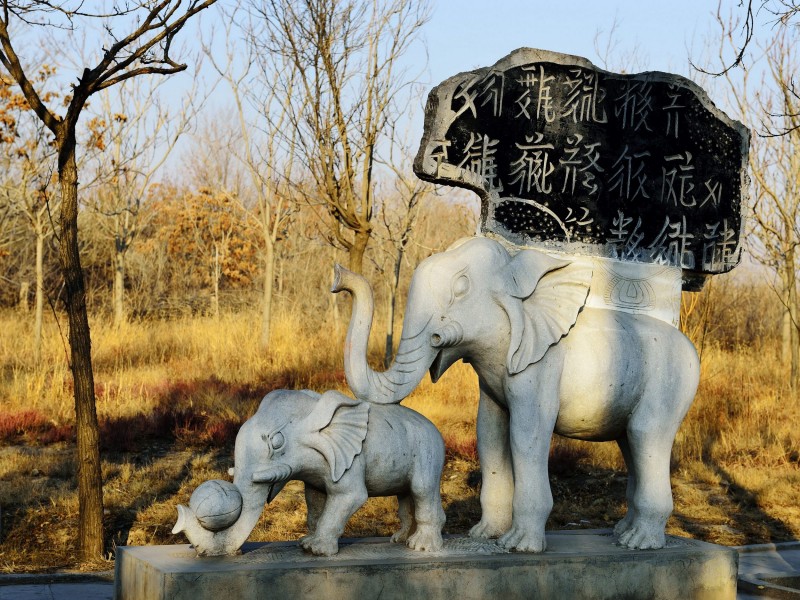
{"type": "Point", "coordinates": [579, 564]}
{"type": "Point", "coordinates": [753, 559]}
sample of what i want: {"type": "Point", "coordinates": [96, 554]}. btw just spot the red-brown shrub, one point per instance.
{"type": "Point", "coordinates": [24, 424]}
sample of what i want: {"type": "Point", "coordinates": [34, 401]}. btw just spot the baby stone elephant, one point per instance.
{"type": "Point", "coordinates": [344, 450]}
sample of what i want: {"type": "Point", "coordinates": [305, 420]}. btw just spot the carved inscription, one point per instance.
{"type": "Point", "coordinates": [635, 167]}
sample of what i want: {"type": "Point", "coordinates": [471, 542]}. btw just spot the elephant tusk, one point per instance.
{"type": "Point", "coordinates": [278, 472]}
{"type": "Point", "coordinates": [274, 490]}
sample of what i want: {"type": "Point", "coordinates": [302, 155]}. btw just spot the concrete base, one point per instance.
{"type": "Point", "coordinates": [577, 564]}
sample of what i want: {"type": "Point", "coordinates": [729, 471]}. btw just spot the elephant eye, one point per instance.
{"type": "Point", "coordinates": [461, 286]}
{"type": "Point", "coordinates": [277, 441]}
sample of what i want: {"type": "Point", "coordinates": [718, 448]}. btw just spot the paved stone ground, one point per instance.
{"type": "Point", "coordinates": [59, 591]}
{"type": "Point", "coordinates": [756, 562]}
{"type": "Point", "coordinates": [753, 560]}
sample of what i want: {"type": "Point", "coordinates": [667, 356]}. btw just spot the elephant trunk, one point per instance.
{"type": "Point", "coordinates": [450, 335]}
{"type": "Point", "coordinates": [229, 540]}
{"type": "Point", "coordinates": [414, 354]}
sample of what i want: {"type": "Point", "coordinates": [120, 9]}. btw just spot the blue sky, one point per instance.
{"type": "Point", "coordinates": [466, 34]}
{"type": "Point", "coordinates": [653, 35]}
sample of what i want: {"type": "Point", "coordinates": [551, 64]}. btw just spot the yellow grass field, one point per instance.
{"type": "Point", "coordinates": [171, 395]}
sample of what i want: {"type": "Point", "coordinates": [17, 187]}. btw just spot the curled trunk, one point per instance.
{"type": "Point", "coordinates": [414, 354]}
{"type": "Point", "coordinates": [230, 539]}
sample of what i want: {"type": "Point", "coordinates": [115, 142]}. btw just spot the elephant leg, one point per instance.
{"type": "Point", "coordinates": [340, 505]}
{"type": "Point", "coordinates": [532, 422]}
{"type": "Point", "coordinates": [429, 516]}
{"type": "Point", "coordinates": [405, 510]}
{"type": "Point", "coordinates": [651, 499]}
{"type": "Point", "coordinates": [494, 454]}
{"type": "Point", "coordinates": [671, 370]}
{"type": "Point", "coordinates": [630, 492]}
{"type": "Point", "coordinates": [315, 502]}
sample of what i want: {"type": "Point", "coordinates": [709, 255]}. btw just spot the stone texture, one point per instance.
{"type": "Point", "coordinates": [568, 156]}
{"type": "Point", "coordinates": [579, 564]}
{"type": "Point", "coordinates": [636, 288]}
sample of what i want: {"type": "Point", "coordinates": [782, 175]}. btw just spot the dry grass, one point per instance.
{"type": "Point", "coordinates": [172, 394]}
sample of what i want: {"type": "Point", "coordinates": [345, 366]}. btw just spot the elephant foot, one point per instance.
{"type": "Point", "coordinates": [401, 535]}
{"type": "Point", "coordinates": [624, 524]}
{"type": "Point", "coordinates": [642, 535]}
{"type": "Point", "coordinates": [319, 545]}
{"type": "Point", "coordinates": [486, 529]}
{"type": "Point", "coordinates": [522, 539]}
{"type": "Point", "coordinates": [425, 539]}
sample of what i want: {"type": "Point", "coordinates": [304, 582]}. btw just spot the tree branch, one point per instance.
{"type": "Point", "coordinates": [10, 60]}
{"type": "Point", "coordinates": [112, 70]}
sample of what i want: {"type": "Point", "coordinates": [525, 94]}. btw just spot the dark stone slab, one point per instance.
{"type": "Point", "coordinates": [578, 564]}
{"type": "Point", "coordinates": [567, 156]}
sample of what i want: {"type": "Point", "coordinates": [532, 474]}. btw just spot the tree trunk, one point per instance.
{"type": "Point", "coordinates": [333, 299]}
{"type": "Point", "coordinates": [387, 355]}
{"type": "Point", "coordinates": [266, 309]}
{"type": "Point", "coordinates": [360, 241]}
{"type": "Point", "coordinates": [24, 290]}
{"type": "Point", "coordinates": [786, 337]}
{"type": "Point", "coordinates": [217, 275]}
{"type": "Point", "coordinates": [90, 483]}
{"type": "Point", "coordinates": [794, 337]}
{"type": "Point", "coordinates": [792, 307]}
{"type": "Point", "coordinates": [119, 283]}
{"type": "Point", "coordinates": [39, 298]}
{"type": "Point", "coordinates": [795, 372]}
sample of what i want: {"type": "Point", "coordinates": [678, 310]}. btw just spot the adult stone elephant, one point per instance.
{"type": "Point", "coordinates": [546, 362]}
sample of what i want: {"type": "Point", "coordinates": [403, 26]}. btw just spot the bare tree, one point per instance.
{"type": "Point", "coordinates": [7, 225]}
{"type": "Point", "coordinates": [344, 91]}
{"type": "Point", "coordinates": [265, 146]}
{"type": "Point", "coordinates": [27, 165]}
{"type": "Point", "coordinates": [740, 34]}
{"type": "Point", "coordinates": [780, 14]}
{"type": "Point", "coordinates": [775, 169]}
{"type": "Point", "coordinates": [614, 58]}
{"type": "Point", "coordinates": [139, 38]}
{"type": "Point", "coordinates": [137, 133]}
{"type": "Point", "coordinates": [397, 217]}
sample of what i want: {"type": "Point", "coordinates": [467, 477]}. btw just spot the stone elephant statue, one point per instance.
{"type": "Point", "coordinates": [546, 362]}
{"type": "Point", "coordinates": [344, 450]}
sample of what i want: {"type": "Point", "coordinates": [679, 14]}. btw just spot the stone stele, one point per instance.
{"type": "Point", "coordinates": [579, 564]}
{"type": "Point", "coordinates": [569, 157]}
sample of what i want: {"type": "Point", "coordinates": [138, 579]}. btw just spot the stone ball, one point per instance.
{"type": "Point", "coordinates": [216, 504]}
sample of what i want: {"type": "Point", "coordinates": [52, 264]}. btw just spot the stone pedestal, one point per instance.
{"type": "Point", "coordinates": [577, 564]}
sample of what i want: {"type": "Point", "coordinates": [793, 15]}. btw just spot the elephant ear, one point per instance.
{"type": "Point", "coordinates": [337, 427]}
{"type": "Point", "coordinates": [543, 298]}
